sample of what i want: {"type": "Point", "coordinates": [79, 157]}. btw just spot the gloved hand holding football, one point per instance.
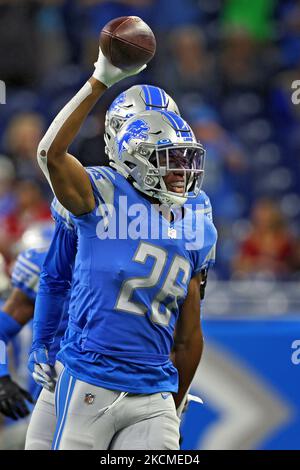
{"type": "Point", "coordinates": [127, 44]}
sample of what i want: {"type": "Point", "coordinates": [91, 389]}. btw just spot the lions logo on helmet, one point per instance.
{"type": "Point", "coordinates": [136, 129]}
{"type": "Point", "coordinates": [135, 100]}
{"type": "Point", "coordinates": [154, 143]}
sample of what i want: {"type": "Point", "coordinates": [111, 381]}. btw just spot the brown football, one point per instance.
{"type": "Point", "coordinates": [127, 42]}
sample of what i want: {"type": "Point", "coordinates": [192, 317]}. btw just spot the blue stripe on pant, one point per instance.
{"type": "Point", "coordinates": [63, 395]}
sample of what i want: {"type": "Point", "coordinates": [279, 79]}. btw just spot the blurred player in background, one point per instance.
{"type": "Point", "coordinates": [58, 246]}
{"type": "Point", "coordinates": [19, 307]}
{"type": "Point", "coordinates": [123, 352]}
{"type": "Point", "coordinates": [16, 312]}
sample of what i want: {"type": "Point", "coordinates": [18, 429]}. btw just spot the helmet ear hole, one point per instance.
{"type": "Point", "coordinates": [152, 181]}
{"type": "Point", "coordinates": [131, 165]}
{"type": "Point", "coordinates": [153, 159]}
{"type": "Point", "coordinates": [116, 123]}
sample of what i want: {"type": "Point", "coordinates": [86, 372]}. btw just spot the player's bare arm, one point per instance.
{"type": "Point", "coordinates": [68, 178]}
{"type": "Point", "coordinates": [188, 340]}
{"type": "Point", "coordinates": [19, 306]}
{"type": "Point", "coordinates": [16, 312]}
{"type": "Point", "coordinates": [64, 172]}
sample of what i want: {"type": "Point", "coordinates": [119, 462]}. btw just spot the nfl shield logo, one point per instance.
{"type": "Point", "coordinates": [172, 232]}
{"type": "Point", "coordinates": [89, 398]}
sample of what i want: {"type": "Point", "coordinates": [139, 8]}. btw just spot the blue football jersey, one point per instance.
{"type": "Point", "coordinates": [134, 269]}
{"type": "Point", "coordinates": [26, 272]}
{"type": "Point", "coordinates": [61, 215]}
{"type": "Point", "coordinates": [26, 277]}
{"type": "Point", "coordinates": [77, 318]}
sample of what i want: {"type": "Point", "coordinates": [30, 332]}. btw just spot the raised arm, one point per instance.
{"type": "Point", "coordinates": [188, 341]}
{"type": "Point", "coordinates": [64, 172]}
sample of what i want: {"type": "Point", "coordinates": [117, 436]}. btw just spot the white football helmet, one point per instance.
{"type": "Point", "coordinates": [135, 100]}
{"type": "Point", "coordinates": [154, 143]}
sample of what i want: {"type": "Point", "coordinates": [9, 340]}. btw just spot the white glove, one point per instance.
{"type": "Point", "coordinates": [42, 372]}
{"type": "Point", "coordinates": [182, 408]}
{"type": "Point", "coordinates": [108, 74]}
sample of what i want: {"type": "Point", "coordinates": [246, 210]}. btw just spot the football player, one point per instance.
{"type": "Point", "coordinates": [119, 387]}
{"type": "Point", "coordinates": [18, 310]}
{"type": "Point", "coordinates": [40, 431]}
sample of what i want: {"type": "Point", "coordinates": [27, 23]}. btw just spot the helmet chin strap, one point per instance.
{"type": "Point", "coordinates": [171, 199]}
{"type": "Point", "coordinates": [119, 168]}
{"type": "Point", "coordinates": [164, 196]}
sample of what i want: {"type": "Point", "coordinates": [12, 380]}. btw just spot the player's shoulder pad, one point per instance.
{"type": "Point", "coordinates": [103, 180]}
{"type": "Point", "coordinates": [210, 240]}
{"type": "Point", "coordinates": [61, 214]}
{"type": "Point", "coordinates": [210, 232]}
{"type": "Point", "coordinates": [27, 269]}
{"type": "Point", "coordinates": [203, 246]}
{"type": "Point", "coordinates": [33, 256]}
{"type": "Point", "coordinates": [202, 203]}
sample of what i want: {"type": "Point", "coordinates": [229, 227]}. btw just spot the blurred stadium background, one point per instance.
{"type": "Point", "coordinates": [230, 66]}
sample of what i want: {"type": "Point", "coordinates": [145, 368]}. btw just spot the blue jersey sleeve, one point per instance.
{"type": "Point", "coordinates": [55, 284]}
{"type": "Point", "coordinates": [102, 180]}
{"type": "Point", "coordinates": [26, 272]}
{"type": "Point", "coordinates": [61, 215]}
